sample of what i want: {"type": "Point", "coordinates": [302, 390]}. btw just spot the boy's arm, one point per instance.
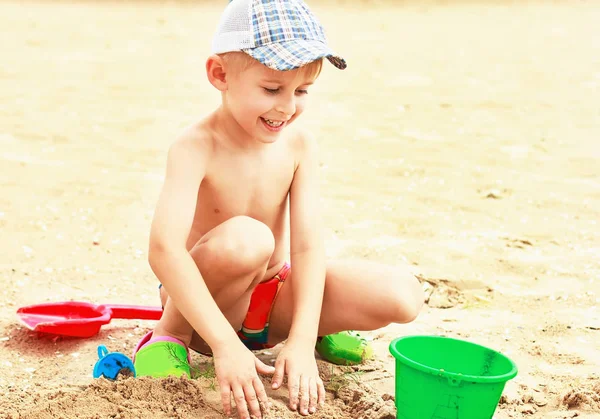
{"type": "Point", "coordinates": [168, 255]}
{"type": "Point", "coordinates": [297, 358]}
{"type": "Point", "coordinates": [306, 245]}
{"type": "Point", "coordinates": [236, 367]}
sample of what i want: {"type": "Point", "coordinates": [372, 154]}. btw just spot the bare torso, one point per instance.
{"type": "Point", "coordinates": [253, 183]}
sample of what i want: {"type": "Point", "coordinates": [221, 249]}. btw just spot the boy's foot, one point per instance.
{"type": "Point", "coordinates": [160, 357]}
{"type": "Point", "coordinates": [344, 348]}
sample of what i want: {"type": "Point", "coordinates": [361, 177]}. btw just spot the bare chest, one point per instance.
{"type": "Point", "coordinates": [254, 188]}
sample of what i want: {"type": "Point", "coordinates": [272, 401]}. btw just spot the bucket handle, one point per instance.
{"type": "Point", "coordinates": [453, 381]}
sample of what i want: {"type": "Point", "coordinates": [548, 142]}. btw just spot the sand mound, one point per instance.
{"type": "Point", "coordinates": [129, 398]}
{"type": "Point", "coordinates": [585, 397]}
{"type": "Point", "coordinates": [176, 398]}
{"type": "Point", "coordinates": [361, 402]}
{"type": "Point", "coordinates": [354, 401]}
{"type": "Point", "coordinates": [440, 293]}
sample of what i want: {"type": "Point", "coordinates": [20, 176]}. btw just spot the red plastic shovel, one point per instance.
{"type": "Point", "coordinates": [79, 319]}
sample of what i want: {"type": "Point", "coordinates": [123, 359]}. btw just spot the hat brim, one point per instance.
{"type": "Point", "coordinates": [289, 55]}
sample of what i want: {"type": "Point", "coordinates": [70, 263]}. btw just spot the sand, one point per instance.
{"type": "Point", "coordinates": [462, 139]}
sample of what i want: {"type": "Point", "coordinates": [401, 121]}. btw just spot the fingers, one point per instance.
{"type": "Point", "coordinates": [313, 395]}
{"type": "Point", "coordinates": [306, 392]}
{"type": "Point", "coordinates": [226, 399]}
{"type": "Point", "coordinates": [252, 400]}
{"type": "Point", "coordinates": [294, 389]}
{"type": "Point", "coordinates": [240, 401]}
{"type": "Point", "coordinates": [238, 376]}
{"type": "Point", "coordinates": [321, 391]}
{"type": "Point", "coordinates": [263, 400]}
{"type": "Point", "coordinates": [263, 368]}
{"type": "Point", "coordinates": [278, 374]}
{"type": "Point", "coordinates": [304, 395]}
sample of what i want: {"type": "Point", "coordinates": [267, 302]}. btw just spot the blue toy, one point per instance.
{"type": "Point", "coordinates": [110, 365]}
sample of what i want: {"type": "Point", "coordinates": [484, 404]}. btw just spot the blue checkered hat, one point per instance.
{"type": "Point", "coordinates": [281, 34]}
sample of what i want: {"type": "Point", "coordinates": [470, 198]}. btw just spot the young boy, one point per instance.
{"type": "Point", "coordinates": [218, 238]}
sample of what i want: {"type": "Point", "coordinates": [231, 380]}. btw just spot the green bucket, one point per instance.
{"type": "Point", "coordinates": [443, 378]}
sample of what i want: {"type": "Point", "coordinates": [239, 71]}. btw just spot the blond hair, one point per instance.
{"type": "Point", "coordinates": [240, 61]}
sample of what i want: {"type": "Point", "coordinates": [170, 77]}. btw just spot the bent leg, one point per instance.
{"type": "Point", "coordinates": [359, 295]}
{"type": "Point", "coordinates": [232, 258]}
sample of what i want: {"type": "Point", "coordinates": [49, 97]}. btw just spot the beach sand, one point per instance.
{"type": "Point", "coordinates": [462, 140]}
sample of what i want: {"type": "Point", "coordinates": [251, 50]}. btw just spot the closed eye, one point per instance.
{"type": "Point", "coordinates": [271, 91]}
{"type": "Point", "coordinates": [302, 92]}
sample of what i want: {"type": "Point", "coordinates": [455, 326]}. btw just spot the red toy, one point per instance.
{"type": "Point", "coordinates": [79, 319]}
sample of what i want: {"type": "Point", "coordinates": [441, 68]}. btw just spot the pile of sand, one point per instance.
{"type": "Point", "coordinates": [128, 398]}
{"type": "Point", "coordinates": [176, 398]}
{"type": "Point", "coordinates": [583, 397]}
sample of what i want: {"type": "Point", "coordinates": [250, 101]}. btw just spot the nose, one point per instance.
{"type": "Point", "coordinates": [286, 105]}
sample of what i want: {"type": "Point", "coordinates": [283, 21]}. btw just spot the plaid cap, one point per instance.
{"type": "Point", "coordinates": [280, 34]}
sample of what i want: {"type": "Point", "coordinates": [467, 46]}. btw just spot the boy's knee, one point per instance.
{"type": "Point", "coordinates": [244, 245]}
{"type": "Point", "coordinates": [409, 299]}
{"type": "Point", "coordinates": [249, 241]}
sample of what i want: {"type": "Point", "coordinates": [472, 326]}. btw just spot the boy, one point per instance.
{"type": "Point", "coordinates": [218, 237]}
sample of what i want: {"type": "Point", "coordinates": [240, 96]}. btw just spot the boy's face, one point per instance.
{"type": "Point", "coordinates": [265, 101]}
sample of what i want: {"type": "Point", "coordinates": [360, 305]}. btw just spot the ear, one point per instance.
{"type": "Point", "coordinates": [215, 71]}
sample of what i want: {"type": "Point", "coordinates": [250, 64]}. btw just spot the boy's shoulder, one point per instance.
{"type": "Point", "coordinates": [304, 144]}
{"type": "Point", "coordinates": [299, 137]}
{"type": "Point", "coordinates": [195, 138]}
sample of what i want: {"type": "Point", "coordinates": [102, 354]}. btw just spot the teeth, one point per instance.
{"type": "Point", "coordinates": [273, 124]}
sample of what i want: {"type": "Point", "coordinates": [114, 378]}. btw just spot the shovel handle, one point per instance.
{"type": "Point", "coordinates": [124, 311]}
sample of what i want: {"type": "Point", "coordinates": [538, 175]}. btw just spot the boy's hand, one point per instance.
{"type": "Point", "coordinates": [236, 370]}
{"type": "Point", "coordinates": [305, 386]}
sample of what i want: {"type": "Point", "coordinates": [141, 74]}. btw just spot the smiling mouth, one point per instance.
{"type": "Point", "coordinates": [274, 124]}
